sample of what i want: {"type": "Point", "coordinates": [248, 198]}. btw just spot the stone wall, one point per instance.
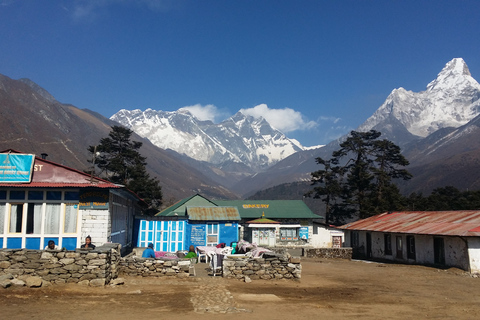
{"type": "Point", "coordinates": [329, 253]}
{"type": "Point", "coordinates": [146, 267]}
{"type": "Point", "coordinates": [270, 266]}
{"type": "Point", "coordinates": [36, 268]}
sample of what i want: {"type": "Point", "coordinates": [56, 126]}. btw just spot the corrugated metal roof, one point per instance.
{"type": "Point", "coordinates": [263, 221]}
{"type": "Point", "coordinates": [59, 185]}
{"type": "Point", "coordinates": [178, 208]}
{"type": "Point", "coordinates": [51, 174]}
{"type": "Point", "coordinates": [449, 223]}
{"type": "Point", "coordinates": [271, 209]}
{"type": "Point", "coordinates": [213, 213]}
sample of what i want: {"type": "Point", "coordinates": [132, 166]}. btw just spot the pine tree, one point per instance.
{"type": "Point", "coordinates": [357, 180]}
{"type": "Point", "coordinates": [120, 161]}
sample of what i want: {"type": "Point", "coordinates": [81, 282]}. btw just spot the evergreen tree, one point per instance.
{"type": "Point", "coordinates": [329, 189]}
{"type": "Point", "coordinates": [362, 185]}
{"type": "Point", "coordinates": [120, 161]}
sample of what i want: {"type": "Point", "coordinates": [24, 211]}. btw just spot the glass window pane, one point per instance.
{"type": "Point", "coordinates": [54, 195]}
{"type": "Point", "coordinates": [35, 195]}
{"type": "Point", "coordinates": [16, 214]}
{"type": "Point", "coordinates": [17, 195]}
{"type": "Point", "coordinates": [3, 194]}
{"type": "Point", "coordinates": [71, 195]}
{"type": "Point", "coordinates": [2, 217]}
{"type": "Point", "coordinates": [71, 210]}
{"type": "Point", "coordinates": [34, 218]}
{"type": "Point", "coordinates": [52, 218]}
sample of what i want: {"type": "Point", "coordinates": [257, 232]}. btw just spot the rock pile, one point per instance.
{"type": "Point", "coordinates": [329, 253]}
{"type": "Point", "coordinates": [270, 266]}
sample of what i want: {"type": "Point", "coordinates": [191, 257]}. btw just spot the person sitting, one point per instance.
{"type": "Point", "coordinates": [149, 253]}
{"type": "Point", "coordinates": [191, 252]}
{"type": "Point", "coordinates": [88, 243]}
{"type": "Point", "coordinates": [52, 246]}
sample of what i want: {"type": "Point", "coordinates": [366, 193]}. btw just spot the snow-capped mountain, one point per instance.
{"type": "Point", "coordinates": [451, 100]}
{"type": "Point", "coordinates": [434, 125]}
{"type": "Point", "coordinates": [240, 138]}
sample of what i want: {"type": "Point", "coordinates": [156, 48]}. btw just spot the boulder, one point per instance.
{"type": "Point", "coordinates": [33, 282]}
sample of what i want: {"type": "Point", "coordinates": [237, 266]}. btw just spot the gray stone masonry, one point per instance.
{"type": "Point", "coordinates": [133, 265]}
{"type": "Point", "coordinates": [271, 266]}
{"type": "Point", "coordinates": [329, 253]}
{"type": "Point", "coordinates": [36, 268]}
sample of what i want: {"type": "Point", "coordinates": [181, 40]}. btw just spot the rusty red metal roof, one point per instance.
{"type": "Point", "coordinates": [49, 174]}
{"type": "Point", "coordinates": [213, 213]}
{"type": "Point", "coordinates": [449, 223]}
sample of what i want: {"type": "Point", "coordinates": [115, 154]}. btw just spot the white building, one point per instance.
{"type": "Point", "coordinates": [41, 200]}
{"type": "Point", "coordinates": [437, 238]}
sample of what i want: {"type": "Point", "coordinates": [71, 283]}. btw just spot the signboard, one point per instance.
{"type": "Point", "coordinates": [255, 206]}
{"type": "Point", "coordinates": [303, 233]}
{"type": "Point", "coordinates": [198, 235]}
{"type": "Point", "coordinates": [93, 199]}
{"type": "Point", "coordinates": [16, 168]}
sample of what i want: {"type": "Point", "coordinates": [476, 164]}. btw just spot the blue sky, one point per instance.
{"type": "Point", "coordinates": [316, 69]}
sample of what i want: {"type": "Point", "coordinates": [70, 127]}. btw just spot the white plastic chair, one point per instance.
{"type": "Point", "coordinates": [213, 261]}
{"type": "Point", "coordinates": [201, 255]}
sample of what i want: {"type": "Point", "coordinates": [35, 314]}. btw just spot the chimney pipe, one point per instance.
{"type": "Point", "coordinates": [44, 156]}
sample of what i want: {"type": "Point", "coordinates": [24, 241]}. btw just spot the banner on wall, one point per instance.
{"type": "Point", "coordinates": [198, 235]}
{"type": "Point", "coordinates": [16, 168]}
{"type": "Point", "coordinates": [93, 199]}
{"type": "Point", "coordinates": [303, 233]}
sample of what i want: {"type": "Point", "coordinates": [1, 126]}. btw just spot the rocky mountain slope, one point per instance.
{"type": "Point", "coordinates": [34, 122]}
{"type": "Point", "coordinates": [240, 139]}
{"type": "Point", "coordinates": [436, 129]}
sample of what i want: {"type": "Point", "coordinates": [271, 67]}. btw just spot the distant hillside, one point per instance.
{"type": "Point", "coordinates": [34, 122]}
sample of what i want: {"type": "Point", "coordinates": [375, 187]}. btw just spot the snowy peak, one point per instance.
{"type": "Point", "coordinates": [240, 138]}
{"type": "Point", "coordinates": [451, 100]}
{"type": "Point", "coordinates": [455, 72]}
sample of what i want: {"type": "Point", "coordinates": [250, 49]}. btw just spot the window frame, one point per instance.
{"type": "Point", "coordinates": [411, 253]}
{"type": "Point", "coordinates": [295, 236]}
{"type": "Point", "coordinates": [388, 244]}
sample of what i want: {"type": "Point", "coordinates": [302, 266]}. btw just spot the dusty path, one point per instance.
{"type": "Point", "coordinates": [329, 288]}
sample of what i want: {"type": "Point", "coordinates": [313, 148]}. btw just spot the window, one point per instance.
{"type": "Point", "coordinates": [16, 216]}
{"type": "Point", "coordinates": [355, 240]}
{"type": "Point", "coordinates": [289, 234]}
{"type": "Point", "coordinates": [34, 218]}
{"type": "Point", "coordinates": [35, 195]}
{"type": "Point", "coordinates": [438, 251]}
{"type": "Point", "coordinates": [411, 247]}
{"type": "Point", "coordinates": [71, 210]}
{"type": "Point", "coordinates": [212, 234]}
{"type": "Point", "coordinates": [52, 218]}
{"type": "Point", "coordinates": [388, 244]}
{"type": "Point", "coordinates": [399, 247]}
{"type": "Point", "coordinates": [54, 195]}
{"type": "Point", "coordinates": [3, 194]}
{"type": "Point", "coordinates": [17, 195]}
{"type": "Point", "coordinates": [71, 195]}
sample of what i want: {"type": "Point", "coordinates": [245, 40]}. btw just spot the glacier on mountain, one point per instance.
{"type": "Point", "coordinates": [240, 138]}
{"type": "Point", "coordinates": [451, 100]}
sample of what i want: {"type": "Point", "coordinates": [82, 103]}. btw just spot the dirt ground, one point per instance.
{"type": "Point", "coordinates": [329, 288]}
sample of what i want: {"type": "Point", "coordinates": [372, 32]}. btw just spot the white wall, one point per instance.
{"type": "Point", "coordinates": [97, 224]}
{"type": "Point", "coordinates": [456, 254]}
{"type": "Point", "coordinates": [474, 254]}
{"type": "Point", "coordinates": [323, 238]}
